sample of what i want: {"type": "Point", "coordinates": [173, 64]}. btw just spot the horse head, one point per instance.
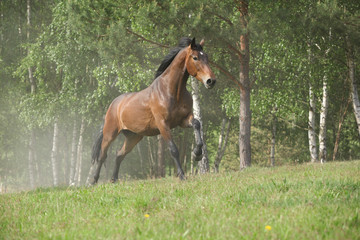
{"type": "Point", "coordinates": [197, 64]}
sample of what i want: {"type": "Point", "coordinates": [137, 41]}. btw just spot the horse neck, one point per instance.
{"type": "Point", "coordinates": [176, 76]}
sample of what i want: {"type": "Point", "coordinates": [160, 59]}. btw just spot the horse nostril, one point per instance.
{"type": "Point", "coordinates": [210, 82]}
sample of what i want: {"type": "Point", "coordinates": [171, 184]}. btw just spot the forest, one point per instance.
{"type": "Point", "coordinates": [286, 91]}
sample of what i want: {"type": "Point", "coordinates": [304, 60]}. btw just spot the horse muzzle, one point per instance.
{"type": "Point", "coordinates": [210, 83]}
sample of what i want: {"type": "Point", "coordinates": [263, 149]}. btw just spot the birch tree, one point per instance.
{"type": "Point", "coordinates": [54, 152]}
{"type": "Point", "coordinates": [354, 89]}
{"type": "Point", "coordinates": [312, 111]}
{"type": "Point", "coordinates": [73, 155]}
{"type": "Point", "coordinates": [324, 108]}
{"type": "Point", "coordinates": [79, 153]}
{"type": "Point", "coordinates": [32, 92]}
{"type": "Point", "coordinates": [161, 157]}
{"type": "Point", "coordinates": [203, 164]}
{"type": "Point", "coordinates": [322, 127]}
{"type": "Point", "coordinates": [273, 137]}
{"type": "Point", "coordinates": [223, 139]}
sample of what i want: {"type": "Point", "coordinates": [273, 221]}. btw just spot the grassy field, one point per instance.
{"type": "Point", "coordinates": [289, 202]}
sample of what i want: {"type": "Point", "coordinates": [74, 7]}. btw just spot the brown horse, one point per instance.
{"type": "Point", "coordinates": [157, 109]}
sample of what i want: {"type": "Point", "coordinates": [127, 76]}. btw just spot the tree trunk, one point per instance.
{"type": "Point", "coordinates": [324, 110]}
{"type": "Point", "coordinates": [90, 175]}
{"type": "Point", "coordinates": [37, 169]}
{"type": "Point", "coordinates": [161, 157]}
{"type": "Point", "coordinates": [2, 30]}
{"type": "Point", "coordinates": [311, 130]}
{"type": "Point", "coordinates": [337, 138]}
{"type": "Point", "coordinates": [151, 159]}
{"type": "Point", "coordinates": [245, 112]}
{"type": "Point", "coordinates": [323, 115]}
{"type": "Point", "coordinates": [141, 158]}
{"type": "Point", "coordinates": [204, 162]}
{"type": "Point", "coordinates": [312, 104]}
{"type": "Point", "coordinates": [354, 90]}
{"type": "Point", "coordinates": [182, 149]}
{"type": "Point", "coordinates": [54, 153]}
{"type": "Point", "coordinates": [79, 153]}
{"type": "Point", "coordinates": [222, 142]}
{"type": "Point", "coordinates": [192, 161]}
{"type": "Point", "coordinates": [33, 88]}
{"type": "Point", "coordinates": [273, 138]}
{"type": "Point", "coordinates": [28, 23]}
{"type": "Point", "coordinates": [31, 158]}
{"type": "Point", "coordinates": [73, 155]}
{"type": "Point", "coordinates": [65, 162]}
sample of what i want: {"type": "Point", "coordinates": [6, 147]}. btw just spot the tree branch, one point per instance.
{"type": "Point", "coordinates": [229, 75]}
{"type": "Point", "coordinates": [228, 21]}
{"type": "Point", "coordinates": [145, 39]}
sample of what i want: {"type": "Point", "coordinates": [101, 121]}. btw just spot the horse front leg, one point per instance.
{"type": "Point", "coordinates": [190, 121]}
{"type": "Point", "coordinates": [197, 152]}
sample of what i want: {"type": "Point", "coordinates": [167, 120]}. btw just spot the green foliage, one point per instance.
{"type": "Point", "coordinates": [85, 53]}
{"type": "Point", "coordinates": [297, 202]}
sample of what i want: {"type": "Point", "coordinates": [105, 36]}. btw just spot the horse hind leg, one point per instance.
{"type": "Point", "coordinates": [108, 138]}
{"type": "Point", "coordinates": [131, 139]}
{"type": "Point", "coordinates": [166, 134]}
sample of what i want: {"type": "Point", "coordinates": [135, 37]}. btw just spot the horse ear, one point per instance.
{"type": "Point", "coordinates": [202, 42]}
{"type": "Point", "coordinates": [193, 45]}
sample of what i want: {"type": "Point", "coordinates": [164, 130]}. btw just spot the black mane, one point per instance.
{"type": "Point", "coordinates": [183, 43]}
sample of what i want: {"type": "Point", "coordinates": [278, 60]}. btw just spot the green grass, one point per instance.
{"type": "Point", "coordinates": [298, 202]}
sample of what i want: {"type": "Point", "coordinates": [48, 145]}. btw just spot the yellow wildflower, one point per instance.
{"type": "Point", "coordinates": [267, 227]}
{"type": "Point", "coordinates": [146, 215]}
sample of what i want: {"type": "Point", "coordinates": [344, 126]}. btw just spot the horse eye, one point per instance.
{"type": "Point", "coordinates": [195, 58]}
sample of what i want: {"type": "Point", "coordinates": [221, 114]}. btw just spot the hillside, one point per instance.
{"type": "Point", "coordinates": [289, 202]}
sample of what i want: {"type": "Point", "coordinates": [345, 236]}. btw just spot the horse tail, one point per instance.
{"type": "Point", "coordinates": [96, 149]}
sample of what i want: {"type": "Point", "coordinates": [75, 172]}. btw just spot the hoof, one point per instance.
{"type": "Point", "coordinates": [197, 151]}
{"type": "Point", "coordinates": [92, 183]}
{"type": "Point", "coordinates": [182, 177]}
{"type": "Point", "coordinates": [196, 157]}
{"type": "Point", "coordinates": [114, 180]}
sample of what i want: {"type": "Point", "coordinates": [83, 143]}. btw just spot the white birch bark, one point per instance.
{"type": "Point", "coordinates": [323, 116]}
{"type": "Point", "coordinates": [354, 90]}
{"type": "Point", "coordinates": [28, 23]}
{"type": "Point", "coordinates": [273, 138]}
{"type": "Point", "coordinates": [65, 164]}
{"type": "Point", "coordinates": [312, 109]}
{"type": "Point", "coordinates": [311, 131]}
{"type": "Point", "coordinates": [90, 175]}
{"type": "Point", "coordinates": [323, 112]}
{"type": "Point", "coordinates": [54, 153]}
{"type": "Point", "coordinates": [73, 155]}
{"type": "Point", "coordinates": [79, 153]}
{"type": "Point", "coordinates": [204, 162]}
{"type": "Point", "coordinates": [37, 169]}
{"type": "Point", "coordinates": [31, 159]}
{"type": "Point", "coordinates": [31, 155]}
